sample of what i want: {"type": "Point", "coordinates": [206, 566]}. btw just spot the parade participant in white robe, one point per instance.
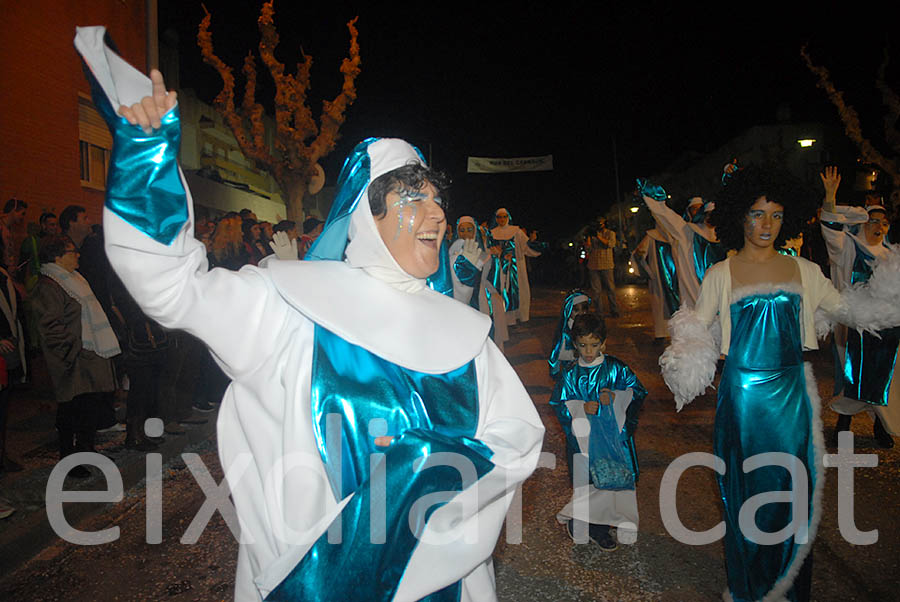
{"type": "Point", "coordinates": [654, 255]}
{"type": "Point", "coordinates": [472, 266]}
{"type": "Point", "coordinates": [695, 247]}
{"type": "Point", "coordinates": [864, 370]}
{"type": "Point", "coordinates": [345, 371]}
{"type": "Point", "coordinates": [510, 275]}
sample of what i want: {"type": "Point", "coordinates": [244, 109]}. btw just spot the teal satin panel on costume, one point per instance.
{"type": "Point", "coordinates": [645, 188]}
{"type": "Point", "coordinates": [468, 274]}
{"type": "Point", "coordinates": [372, 555]}
{"type": "Point", "coordinates": [508, 268]}
{"type": "Point", "coordinates": [563, 338]}
{"type": "Point", "coordinates": [351, 184]}
{"type": "Point", "coordinates": [789, 251]}
{"type": "Point", "coordinates": [763, 406]}
{"type": "Point", "coordinates": [706, 253]}
{"type": "Point", "coordinates": [427, 415]}
{"type": "Point", "coordinates": [143, 185]}
{"type": "Point", "coordinates": [585, 384]}
{"type": "Point", "coordinates": [442, 280]}
{"type": "Point", "coordinates": [666, 263]}
{"type": "Point", "coordinates": [869, 361]}
{"type": "Point", "coordinates": [359, 386]}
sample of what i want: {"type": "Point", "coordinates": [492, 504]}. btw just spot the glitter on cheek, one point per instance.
{"type": "Point", "coordinates": [401, 207]}
{"type": "Point", "coordinates": [407, 198]}
{"type": "Point", "coordinates": [412, 217]}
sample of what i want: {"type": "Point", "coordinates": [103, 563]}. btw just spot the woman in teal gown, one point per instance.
{"type": "Point", "coordinates": [767, 403]}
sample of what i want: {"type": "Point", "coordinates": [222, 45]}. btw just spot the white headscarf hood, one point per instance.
{"type": "Point", "coordinates": [370, 301]}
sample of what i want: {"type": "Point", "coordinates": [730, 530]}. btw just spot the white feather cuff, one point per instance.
{"type": "Point", "coordinates": [874, 305]}
{"type": "Point", "coordinates": [689, 362]}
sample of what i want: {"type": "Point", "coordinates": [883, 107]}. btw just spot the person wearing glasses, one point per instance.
{"type": "Point", "coordinates": [77, 342]}
{"type": "Point", "coordinates": [864, 363]}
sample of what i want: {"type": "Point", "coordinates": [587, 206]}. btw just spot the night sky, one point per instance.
{"type": "Point", "coordinates": [567, 79]}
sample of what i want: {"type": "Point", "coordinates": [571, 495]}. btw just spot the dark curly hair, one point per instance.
{"type": "Point", "coordinates": [589, 324]}
{"type": "Point", "coordinates": [745, 187]}
{"type": "Point", "coordinates": [413, 177]}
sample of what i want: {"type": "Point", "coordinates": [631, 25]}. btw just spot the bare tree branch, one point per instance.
{"type": "Point", "coordinates": [850, 118]}
{"type": "Point", "coordinates": [299, 141]}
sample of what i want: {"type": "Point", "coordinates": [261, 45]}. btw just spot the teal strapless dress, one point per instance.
{"type": "Point", "coordinates": [764, 406]}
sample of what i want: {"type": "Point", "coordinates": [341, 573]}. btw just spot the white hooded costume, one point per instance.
{"type": "Point", "coordinates": [261, 323]}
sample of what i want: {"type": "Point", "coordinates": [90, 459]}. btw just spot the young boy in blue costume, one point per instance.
{"type": "Point", "coordinates": [562, 356]}
{"type": "Point", "coordinates": [603, 391]}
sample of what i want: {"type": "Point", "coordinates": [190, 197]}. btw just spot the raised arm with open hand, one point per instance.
{"type": "Point", "coordinates": [831, 179]}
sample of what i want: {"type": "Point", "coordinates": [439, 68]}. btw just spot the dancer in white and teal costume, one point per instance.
{"type": "Point", "coordinates": [865, 363]}
{"type": "Point", "coordinates": [764, 303]}
{"type": "Point", "coordinates": [347, 371]}
{"type": "Point", "coordinates": [471, 272]}
{"type": "Point", "coordinates": [510, 273]}
{"type": "Point", "coordinates": [694, 246]}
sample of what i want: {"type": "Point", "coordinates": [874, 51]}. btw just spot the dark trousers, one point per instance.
{"type": "Point", "coordinates": [145, 376]}
{"type": "Point", "coordinates": [76, 422]}
{"type": "Point", "coordinates": [4, 419]}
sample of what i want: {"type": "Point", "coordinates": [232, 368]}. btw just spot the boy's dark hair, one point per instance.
{"type": "Point", "coordinates": [53, 247]}
{"type": "Point", "coordinates": [412, 177]}
{"type": "Point", "coordinates": [45, 216]}
{"type": "Point", "coordinates": [69, 215]}
{"type": "Point", "coordinates": [588, 324]}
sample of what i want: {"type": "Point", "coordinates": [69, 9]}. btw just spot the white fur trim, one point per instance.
{"type": "Point", "coordinates": [873, 305]}
{"type": "Point", "coordinates": [824, 324]}
{"type": "Point", "coordinates": [766, 288]}
{"type": "Point", "coordinates": [688, 364]}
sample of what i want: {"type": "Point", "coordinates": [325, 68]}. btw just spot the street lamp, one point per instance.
{"type": "Point", "coordinates": [806, 142]}
{"type": "Point", "coordinates": [635, 209]}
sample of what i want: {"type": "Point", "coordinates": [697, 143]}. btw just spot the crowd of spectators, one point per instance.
{"type": "Point", "coordinates": [65, 309]}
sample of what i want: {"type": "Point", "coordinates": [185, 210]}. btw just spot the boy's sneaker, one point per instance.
{"type": "Point", "coordinates": [601, 536]}
{"type": "Point", "coordinates": [570, 529]}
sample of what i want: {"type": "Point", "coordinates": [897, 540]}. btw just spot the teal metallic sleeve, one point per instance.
{"type": "Point", "coordinates": [653, 191]}
{"type": "Point", "coordinates": [467, 273]}
{"type": "Point", "coordinates": [143, 186]}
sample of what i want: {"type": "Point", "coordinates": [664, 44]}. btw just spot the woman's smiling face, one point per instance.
{"type": "Point", "coordinates": [413, 228]}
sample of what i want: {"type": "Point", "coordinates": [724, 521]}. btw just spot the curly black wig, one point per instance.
{"type": "Point", "coordinates": [745, 187]}
{"type": "Point", "coordinates": [411, 177]}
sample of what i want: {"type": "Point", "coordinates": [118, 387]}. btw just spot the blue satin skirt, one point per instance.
{"type": "Point", "coordinates": [764, 406]}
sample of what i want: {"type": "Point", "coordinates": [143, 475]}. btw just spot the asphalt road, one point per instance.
{"type": "Point", "coordinates": [544, 564]}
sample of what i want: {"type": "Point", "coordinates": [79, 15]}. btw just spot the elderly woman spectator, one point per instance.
{"type": "Point", "coordinates": [77, 342]}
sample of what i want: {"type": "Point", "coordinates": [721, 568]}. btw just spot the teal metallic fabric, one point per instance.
{"type": "Point", "coordinates": [563, 338]}
{"type": "Point", "coordinates": [869, 361]}
{"type": "Point", "coordinates": [143, 186]}
{"type": "Point", "coordinates": [442, 281]}
{"type": "Point", "coordinates": [666, 262]}
{"type": "Point", "coordinates": [469, 275]}
{"type": "Point", "coordinates": [351, 185]}
{"type": "Point", "coordinates": [427, 414]}
{"type": "Point", "coordinates": [706, 253]}
{"type": "Point", "coordinates": [763, 406]}
{"type": "Point", "coordinates": [585, 384]}
{"type": "Point", "coordinates": [653, 191]}
{"type": "Point", "coordinates": [506, 267]}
